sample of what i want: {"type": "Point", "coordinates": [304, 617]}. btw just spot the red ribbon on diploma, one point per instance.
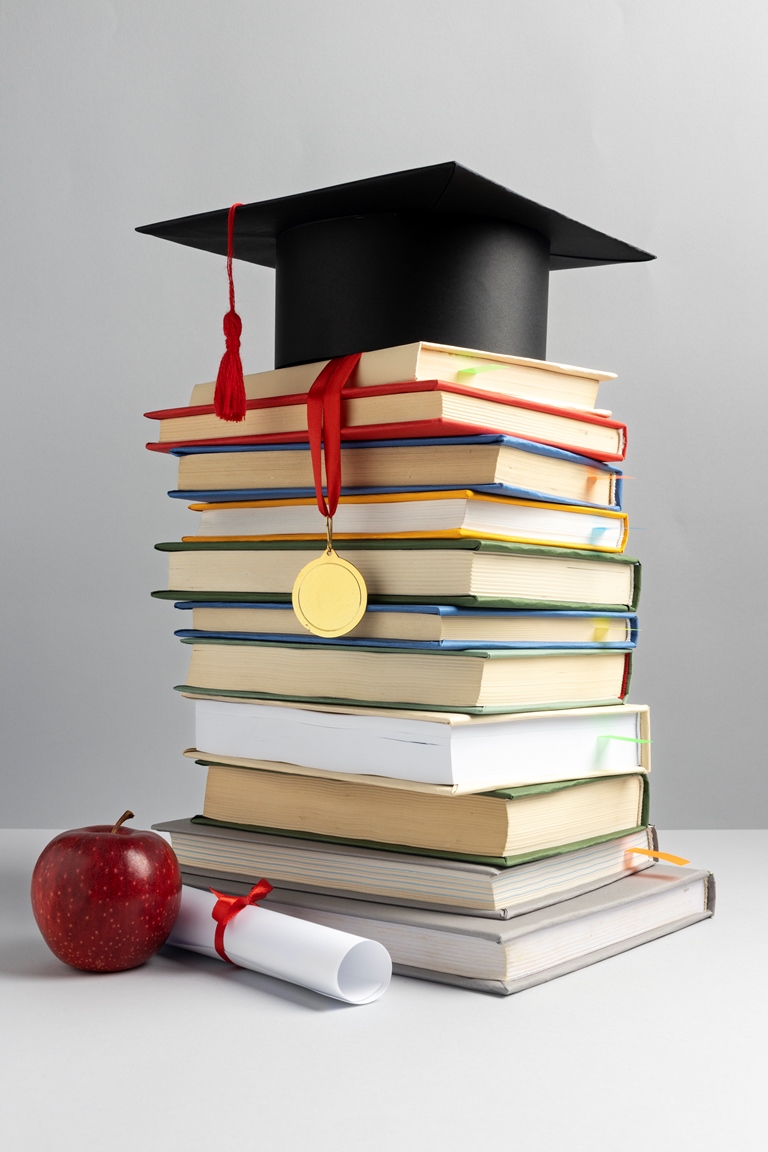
{"type": "Point", "coordinates": [324, 425]}
{"type": "Point", "coordinates": [227, 907]}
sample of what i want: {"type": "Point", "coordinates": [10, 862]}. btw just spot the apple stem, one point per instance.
{"type": "Point", "coordinates": [127, 815]}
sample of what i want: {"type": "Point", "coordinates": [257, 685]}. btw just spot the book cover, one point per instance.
{"type": "Point", "coordinates": [526, 950]}
{"type": "Point", "coordinates": [569, 429]}
{"type": "Point", "coordinates": [576, 560]}
{"type": "Point", "coordinates": [517, 376]}
{"type": "Point", "coordinates": [458, 887]}
{"type": "Point", "coordinates": [477, 858]}
{"type": "Point", "coordinates": [508, 821]}
{"type": "Point", "coordinates": [457, 462]}
{"type": "Point", "coordinates": [415, 674]}
{"type": "Point", "coordinates": [447, 514]}
{"type": "Point", "coordinates": [446, 752]}
{"type": "Point", "coordinates": [480, 619]}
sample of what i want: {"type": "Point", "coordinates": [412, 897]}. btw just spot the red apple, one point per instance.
{"type": "Point", "coordinates": [105, 898]}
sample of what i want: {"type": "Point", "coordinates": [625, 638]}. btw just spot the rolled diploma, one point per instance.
{"type": "Point", "coordinates": [335, 963]}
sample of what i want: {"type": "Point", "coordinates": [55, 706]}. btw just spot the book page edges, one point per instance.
{"type": "Point", "coordinates": [453, 718]}
{"type": "Point", "coordinates": [475, 787]}
{"type": "Point", "coordinates": [503, 358]}
{"type": "Point", "coordinates": [410, 353]}
{"type": "Point", "coordinates": [632, 889]}
{"type": "Point", "coordinates": [240, 883]}
{"type": "Point", "coordinates": [412, 850]}
{"type": "Point", "coordinates": [510, 987]}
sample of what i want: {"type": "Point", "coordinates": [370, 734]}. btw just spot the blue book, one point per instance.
{"type": "Point", "coordinates": [425, 627]}
{"type": "Point", "coordinates": [595, 473]}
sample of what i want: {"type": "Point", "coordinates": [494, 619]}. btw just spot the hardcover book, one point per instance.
{"type": "Point", "coordinates": [509, 956]}
{"type": "Point", "coordinates": [540, 380]}
{"type": "Point", "coordinates": [430, 515]}
{"type": "Point", "coordinates": [500, 465]}
{"type": "Point", "coordinates": [399, 410]}
{"type": "Point", "coordinates": [456, 751]}
{"type": "Point", "coordinates": [506, 824]}
{"type": "Point", "coordinates": [458, 886]}
{"type": "Point", "coordinates": [426, 626]}
{"type": "Point", "coordinates": [472, 680]}
{"type": "Point", "coordinates": [462, 573]}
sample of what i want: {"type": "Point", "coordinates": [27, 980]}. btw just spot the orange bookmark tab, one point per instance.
{"type": "Point", "coordinates": [660, 855]}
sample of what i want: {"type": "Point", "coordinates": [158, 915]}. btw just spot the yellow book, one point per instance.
{"type": "Point", "coordinates": [418, 515]}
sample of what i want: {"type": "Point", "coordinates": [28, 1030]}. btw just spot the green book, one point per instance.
{"type": "Point", "coordinates": [505, 827]}
{"type": "Point", "coordinates": [474, 681]}
{"type": "Point", "coordinates": [466, 573]}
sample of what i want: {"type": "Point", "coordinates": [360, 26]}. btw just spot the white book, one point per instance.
{"type": "Point", "coordinates": [469, 753]}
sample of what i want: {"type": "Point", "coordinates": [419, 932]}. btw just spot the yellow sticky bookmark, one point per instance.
{"type": "Point", "coordinates": [601, 630]}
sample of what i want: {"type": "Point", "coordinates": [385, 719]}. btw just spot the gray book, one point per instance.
{"type": "Point", "coordinates": [503, 957]}
{"type": "Point", "coordinates": [462, 887]}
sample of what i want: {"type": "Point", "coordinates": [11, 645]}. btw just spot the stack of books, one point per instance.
{"type": "Point", "coordinates": [460, 777]}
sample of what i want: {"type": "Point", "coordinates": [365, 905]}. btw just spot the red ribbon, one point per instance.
{"type": "Point", "coordinates": [227, 907]}
{"type": "Point", "coordinates": [324, 424]}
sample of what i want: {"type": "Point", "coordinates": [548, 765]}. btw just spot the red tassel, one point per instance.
{"type": "Point", "coordinates": [229, 397]}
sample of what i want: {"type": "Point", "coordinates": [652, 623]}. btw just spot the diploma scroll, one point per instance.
{"type": "Point", "coordinates": [337, 964]}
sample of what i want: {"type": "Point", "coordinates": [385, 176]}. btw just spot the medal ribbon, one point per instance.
{"type": "Point", "coordinates": [227, 907]}
{"type": "Point", "coordinates": [324, 425]}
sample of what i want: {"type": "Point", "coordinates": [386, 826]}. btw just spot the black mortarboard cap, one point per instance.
{"type": "Point", "coordinates": [437, 253]}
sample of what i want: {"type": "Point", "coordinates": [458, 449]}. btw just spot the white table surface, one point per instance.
{"type": "Point", "coordinates": [662, 1048]}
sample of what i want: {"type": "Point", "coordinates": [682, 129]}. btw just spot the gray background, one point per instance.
{"type": "Point", "coordinates": [644, 119]}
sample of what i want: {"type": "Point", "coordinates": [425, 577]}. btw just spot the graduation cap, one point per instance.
{"type": "Point", "coordinates": [438, 254]}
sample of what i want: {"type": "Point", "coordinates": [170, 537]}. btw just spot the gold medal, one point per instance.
{"type": "Point", "coordinates": [329, 594]}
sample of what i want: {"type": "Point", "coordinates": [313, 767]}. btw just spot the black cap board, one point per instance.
{"type": "Point", "coordinates": [438, 254]}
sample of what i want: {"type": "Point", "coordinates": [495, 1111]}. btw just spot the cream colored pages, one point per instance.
{"type": "Point", "coordinates": [412, 572]}
{"type": "Point", "coordinates": [542, 380]}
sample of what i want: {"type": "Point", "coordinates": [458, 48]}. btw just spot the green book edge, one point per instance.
{"type": "Point", "coordinates": [478, 653]}
{"type": "Point", "coordinates": [456, 601]}
{"type": "Point", "coordinates": [398, 545]}
{"type": "Point", "coordinates": [335, 701]}
{"type": "Point", "coordinates": [495, 546]}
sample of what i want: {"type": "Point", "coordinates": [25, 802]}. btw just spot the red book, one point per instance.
{"type": "Point", "coordinates": [426, 408]}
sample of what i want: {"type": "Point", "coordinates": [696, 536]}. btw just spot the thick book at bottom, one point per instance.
{"type": "Point", "coordinates": [503, 957]}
